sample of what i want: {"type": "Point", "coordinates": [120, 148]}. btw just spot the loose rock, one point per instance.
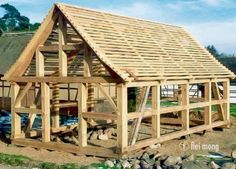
{"type": "Point", "coordinates": [94, 136]}
{"type": "Point", "coordinates": [228, 166]}
{"type": "Point", "coordinates": [155, 146]}
{"type": "Point", "coordinates": [233, 154]}
{"type": "Point", "coordinates": [125, 164]}
{"type": "Point", "coordinates": [103, 137]}
{"type": "Point", "coordinates": [136, 166]}
{"type": "Point", "coordinates": [109, 163]}
{"type": "Point", "coordinates": [172, 160]}
{"type": "Point", "coordinates": [213, 165]}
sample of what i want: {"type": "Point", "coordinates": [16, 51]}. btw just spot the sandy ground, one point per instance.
{"type": "Point", "coordinates": [223, 141]}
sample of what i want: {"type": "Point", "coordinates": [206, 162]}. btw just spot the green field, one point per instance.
{"type": "Point", "coordinates": [233, 109]}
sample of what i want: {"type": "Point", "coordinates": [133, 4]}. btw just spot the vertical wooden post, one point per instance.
{"type": "Point", "coordinates": [15, 117]}
{"type": "Point", "coordinates": [39, 63]}
{"type": "Point", "coordinates": [3, 89]}
{"type": "Point", "coordinates": [185, 102]}
{"type": "Point", "coordinates": [156, 108]}
{"type": "Point", "coordinates": [62, 41]}
{"type": "Point", "coordinates": [82, 107]}
{"type": "Point", "coordinates": [45, 100]}
{"type": "Point", "coordinates": [122, 122]}
{"type": "Point", "coordinates": [55, 103]}
{"type": "Point", "coordinates": [207, 109]}
{"type": "Point", "coordinates": [226, 96]}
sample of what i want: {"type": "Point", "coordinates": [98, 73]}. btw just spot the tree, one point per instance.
{"type": "Point", "coordinates": [12, 20]}
{"type": "Point", "coordinates": [213, 51]}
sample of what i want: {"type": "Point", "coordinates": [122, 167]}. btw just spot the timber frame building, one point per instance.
{"type": "Point", "coordinates": [89, 49]}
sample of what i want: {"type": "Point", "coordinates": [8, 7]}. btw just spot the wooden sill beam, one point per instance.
{"type": "Point", "coordinates": [64, 79]}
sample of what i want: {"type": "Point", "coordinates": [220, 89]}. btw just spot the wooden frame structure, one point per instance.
{"type": "Point", "coordinates": [90, 48]}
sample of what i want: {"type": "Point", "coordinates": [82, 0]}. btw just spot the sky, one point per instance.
{"type": "Point", "coordinates": [212, 22]}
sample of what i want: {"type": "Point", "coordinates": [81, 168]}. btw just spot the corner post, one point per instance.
{"type": "Point", "coordinates": [122, 122]}
{"type": "Point", "coordinates": [226, 96]}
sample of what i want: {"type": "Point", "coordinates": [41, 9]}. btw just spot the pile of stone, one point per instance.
{"type": "Point", "coordinates": [93, 134]}
{"type": "Point", "coordinates": [161, 161]}
{"type": "Point", "coordinates": [102, 134]}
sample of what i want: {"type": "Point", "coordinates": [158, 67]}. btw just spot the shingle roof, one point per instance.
{"type": "Point", "coordinates": [11, 46]}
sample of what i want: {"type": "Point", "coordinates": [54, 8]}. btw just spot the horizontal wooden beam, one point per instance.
{"type": "Point", "coordinates": [171, 82]}
{"type": "Point", "coordinates": [55, 48]}
{"type": "Point", "coordinates": [135, 115]}
{"type": "Point", "coordinates": [172, 109]}
{"type": "Point", "coordinates": [215, 102]}
{"type": "Point", "coordinates": [27, 110]}
{"type": "Point", "coordinates": [65, 105]}
{"type": "Point", "coordinates": [99, 116]}
{"type": "Point", "coordinates": [64, 79]}
{"type": "Point", "coordinates": [89, 150]}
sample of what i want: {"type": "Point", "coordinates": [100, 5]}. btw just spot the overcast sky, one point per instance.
{"type": "Point", "coordinates": [210, 21]}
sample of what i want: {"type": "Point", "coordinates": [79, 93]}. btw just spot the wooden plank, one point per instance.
{"type": "Point", "coordinates": [226, 96]}
{"type": "Point", "coordinates": [104, 79]}
{"type": "Point", "coordinates": [30, 122]}
{"type": "Point", "coordinates": [82, 107]}
{"type": "Point", "coordinates": [122, 122]}
{"type": "Point", "coordinates": [39, 63]}
{"type": "Point", "coordinates": [185, 102]}
{"type": "Point", "coordinates": [45, 100]}
{"type": "Point", "coordinates": [55, 48]}
{"type": "Point", "coordinates": [15, 117]}
{"type": "Point", "coordinates": [22, 94]}
{"type": "Point", "coordinates": [156, 107]}
{"type": "Point", "coordinates": [134, 115]}
{"type": "Point", "coordinates": [87, 62]}
{"type": "Point", "coordinates": [165, 110]}
{"type": "Point", "coordinates": [28, 110]}
{"type": "Point", "coordinates": [67, 104]}
{"type": "Point", "coordinates": [99, 116]}
{"type": "Point", "coordinates": [62, 29]}
{"type": "Point", "coordinates": [207, 109]}
{"type": "Point", "coordinates": [88, 72]}
{"type": "Point", "coordinates": [93, 151]}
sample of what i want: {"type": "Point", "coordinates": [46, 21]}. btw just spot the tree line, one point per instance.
{"type": "Point", "coordinates": [12, 20]}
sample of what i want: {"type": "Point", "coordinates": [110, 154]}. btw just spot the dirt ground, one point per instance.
{"type": "Point", "coordinates": [223, 141]}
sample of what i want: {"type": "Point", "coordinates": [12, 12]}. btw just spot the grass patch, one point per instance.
{"type": "Point", "coordinates": [233, 109]}
{"type": "Point", "coordinates": [19, 160]}
{"type": "Point", "coordinates": [14, 160]}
